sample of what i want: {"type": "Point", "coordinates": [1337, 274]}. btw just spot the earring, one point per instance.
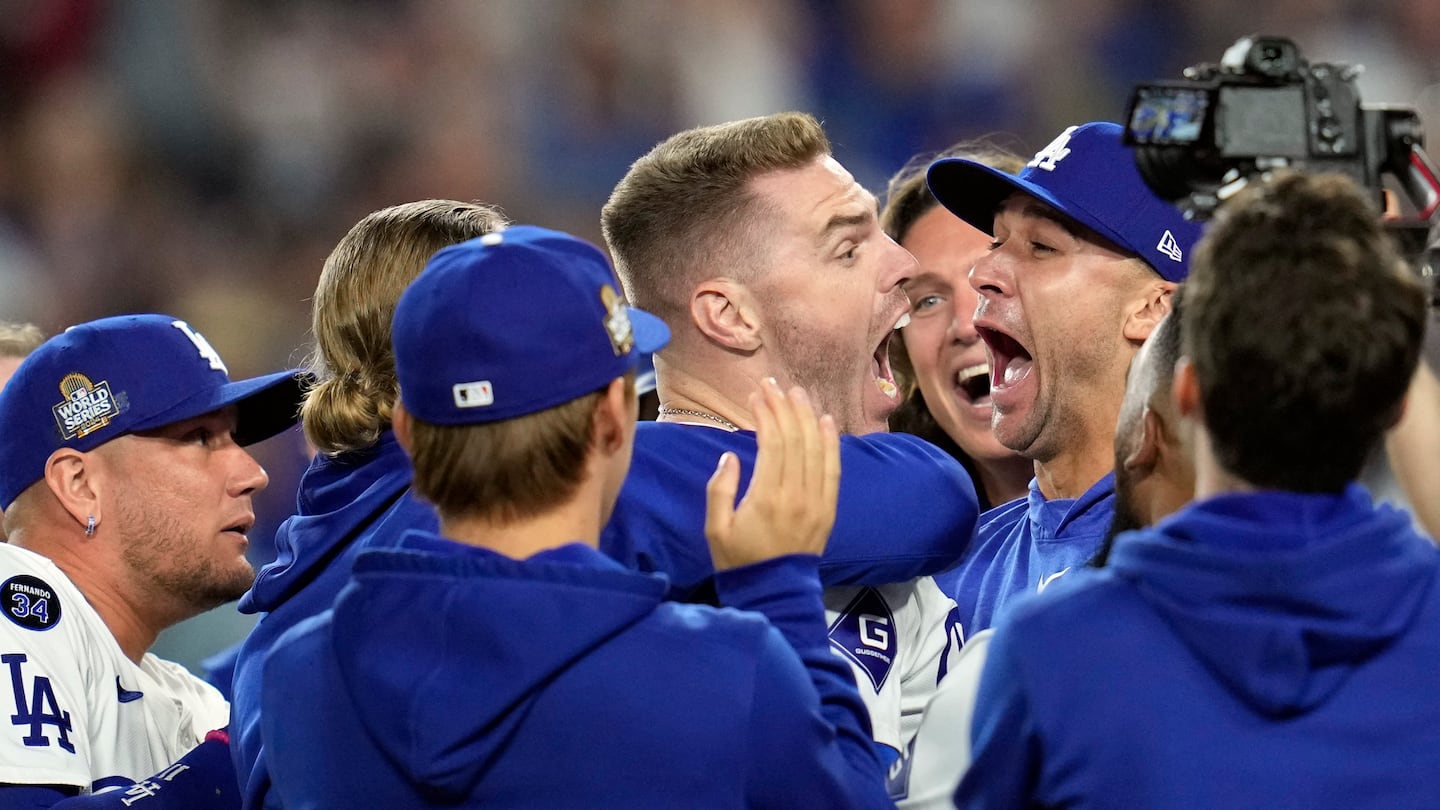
{"type": "Point", "coordinates": [90, 527]}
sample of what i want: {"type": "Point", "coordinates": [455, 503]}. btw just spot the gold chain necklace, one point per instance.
{"type": "Point", "coordinates": [701, 414]}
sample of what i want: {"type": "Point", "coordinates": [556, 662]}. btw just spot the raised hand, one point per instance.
{"type": "Point", "coordinates": [789, 507]}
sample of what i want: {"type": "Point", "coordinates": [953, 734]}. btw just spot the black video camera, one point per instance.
{"type": "Point", "coordinates": [1264, 107]}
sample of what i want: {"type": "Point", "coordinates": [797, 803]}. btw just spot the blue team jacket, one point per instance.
{"type": "Point", "coordinates": [362, 500]}
{"type": "Point", "coordinates": [1022, 546]}
{"type": "Point", "coordinates": [347, 504]}
{"type": "Point", "coordinates": [907, 509]}
{"type": "Point", "coordinates": [1258, 650]}
{"type": "Point", "coordinates": [453, 676]}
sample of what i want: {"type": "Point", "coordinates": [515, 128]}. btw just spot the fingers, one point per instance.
{"type": "Point", "coordinates": [829, 439]}
{"type": "Point", "coordinates": [720, 508]}
{"type": "Point", "coordinates": [770, 437]}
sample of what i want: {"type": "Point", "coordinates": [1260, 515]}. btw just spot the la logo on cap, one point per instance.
{"type": "Point", "coordinates": [1057, 151]}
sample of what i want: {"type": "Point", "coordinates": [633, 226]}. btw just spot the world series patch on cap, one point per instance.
{"type": "Point", "coordinates": [1087, 174]}
{"type": "Point", "coordinates": [512, 323]}
{"type": "Point", "coordinates": [103, 379]}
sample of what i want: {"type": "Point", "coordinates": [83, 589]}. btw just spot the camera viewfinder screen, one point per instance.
{"type": "Point", "coordinates": [1164, 116]}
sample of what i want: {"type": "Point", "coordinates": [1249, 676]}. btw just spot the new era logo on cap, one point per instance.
{"type": "Point", "coordinates": [1170, 247]}
{"type": "Point", "coordinates": [1088, 175]}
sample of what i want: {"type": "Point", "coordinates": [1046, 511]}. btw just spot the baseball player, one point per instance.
{"type": "Point", "coordinates": [766, 259]}
{"type": "Point", "coordinates": [504, 661]}
{"type": "Point", "coordinates": [127, 496]}
{"type": "Point", "coordinates": [1084, 261]}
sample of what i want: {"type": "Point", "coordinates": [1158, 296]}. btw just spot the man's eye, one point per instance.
{"type": "Point", "coordinates": [995, 244]}
{"type": "Point", "coordinates": [925, 302]}
{"type": "Point", "coordinates": [1041, 247]}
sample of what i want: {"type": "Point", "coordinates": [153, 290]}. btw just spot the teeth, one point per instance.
{"type": "Point", "coordinates": [903, 322]}
{"type": "Point", "coordinates": [887, 388]}
{"type": "Point", "coordinates": [1012, 371]}
{"type": "Point", "coordinates": [966, 374]}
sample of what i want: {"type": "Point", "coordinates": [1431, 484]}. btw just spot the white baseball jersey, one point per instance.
{"type": "Point", "coordinates": [940, 753]}
{"type": "Point", "coordinates": [900, 640]}
{"type": "Point", "coordinates": [73, 709]}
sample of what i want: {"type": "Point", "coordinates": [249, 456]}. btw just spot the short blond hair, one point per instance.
{"type": "Point", "coordinates": [350, 404]}
{"type": "Point", "coordinates": [19, 339]}
{"type": "Point", "coordinates": [687, 203]}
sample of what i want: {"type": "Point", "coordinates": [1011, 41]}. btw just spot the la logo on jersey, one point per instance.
{"type": "Point", "coordinates": [1058, 150]}
{"type": "Point", "coordinates": [865, 634]}
{"type": "Point", "coordinates": [87, 406]}
{"type": "Point", "coordinates": [1170, 247]}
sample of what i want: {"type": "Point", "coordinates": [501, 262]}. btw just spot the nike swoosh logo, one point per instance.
{"type": "Point", "coordinates": [126, 696]}
{"type": "Point", "coordinates": [1045, 581]}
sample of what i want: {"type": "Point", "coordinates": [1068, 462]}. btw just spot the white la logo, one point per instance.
{"type": "Point", "coordinates": [1054, 153]}
{"type": "Point", "coordinates": [207, 352]}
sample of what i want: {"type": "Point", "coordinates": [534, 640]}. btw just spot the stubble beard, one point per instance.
{"type": "Point", "coordinates": [820, 366]}
{"type": "Point", "coordinates": [158, 549]}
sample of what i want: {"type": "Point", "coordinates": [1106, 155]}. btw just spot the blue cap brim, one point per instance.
{"type": "Point", "coordinates": [651, 333]}
{"type": "Point", "coordinates": [265, 405]}
{"type": "Point", "coordinates": [974, 192]}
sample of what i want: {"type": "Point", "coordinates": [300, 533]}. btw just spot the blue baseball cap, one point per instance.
{"type": "Point", "coordinates": [515, 322]}
{"type": "Point", "coordinates": [102, 379]}
{"type": "Point", "coordinates": [1089, 175]}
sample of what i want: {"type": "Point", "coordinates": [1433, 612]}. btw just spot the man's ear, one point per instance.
{"type": "Point", "coordinates": [1186, 390]}
{"type": "Point", "coordinates": [401, 424]}
{"type": "Point", "coordinates": [725, 311]}
{"type": "Point", "coordinates": [1145, 453]}
{"type": "Point", "coordinates": [1147, 312]}
{"type": "Point", "coordinates": [72, 477]}
{"type": "Point", "coordinates": [615, 414]}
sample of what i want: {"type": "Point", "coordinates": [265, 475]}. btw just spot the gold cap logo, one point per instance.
{"type": "Point", "coordinates": [86, 408]}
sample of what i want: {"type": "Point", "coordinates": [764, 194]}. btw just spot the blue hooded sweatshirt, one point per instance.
{"type": "Point", "coordinates": [347, 504]}
{"type": "Point", "coordinates": [1022, 546]}
{"type": "Point", "coordinates": [452, 676]}
{"type": "Point", "coordinates": [362, 500]}
{"type": "Point", "coordinates": [1253, 650]}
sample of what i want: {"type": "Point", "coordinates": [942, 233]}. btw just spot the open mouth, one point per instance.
{"type": "Point", "coordinates": [880, 366]}
{"type": "Point", "coordinates": [973, 383]}
{"type": "Point", "coordinates": [1009, 361]}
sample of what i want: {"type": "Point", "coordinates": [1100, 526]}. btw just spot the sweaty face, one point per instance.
{"type": "Point", "coordinates": [183, 499]}
{"type": "Point", "coordinates": [950, 362]}
{"type": "Point", "coordinates": [1052, 311]}
{"type": "Point", "coordinates": [830, 294]}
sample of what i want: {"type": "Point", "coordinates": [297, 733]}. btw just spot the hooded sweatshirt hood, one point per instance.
{"type": "Point", "coordinates": [340, 496]}
{"type": "Point", "coordinates": [1261, 588]}
{"type": "Point", "coordinates": [550, 611]}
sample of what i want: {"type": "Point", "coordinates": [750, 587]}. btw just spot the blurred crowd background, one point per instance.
{"type": "Point", "coordinates": [201, 157]}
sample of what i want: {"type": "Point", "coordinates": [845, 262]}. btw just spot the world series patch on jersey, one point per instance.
{"type": "Point", "coordinates": [80, 713]}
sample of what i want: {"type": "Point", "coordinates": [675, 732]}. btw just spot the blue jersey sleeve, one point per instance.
{"type": "Point", "coordinates": [907, 509]}
{"type": "Point", "coordinates": [804, 705]}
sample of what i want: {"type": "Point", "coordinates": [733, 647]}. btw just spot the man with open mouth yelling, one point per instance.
{"type": "Point", "coordinates": [766, 259]}
{"type": "Point", "coordinates": [1082, 265]}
